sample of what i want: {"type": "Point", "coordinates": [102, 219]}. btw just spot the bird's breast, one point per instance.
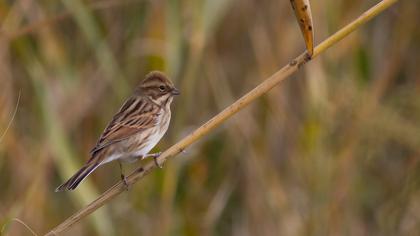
{"type": "Point", "coordinates": [144, 141]}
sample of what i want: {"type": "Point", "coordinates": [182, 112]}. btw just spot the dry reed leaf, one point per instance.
{"type": "Point", "coordinates": [303, 14]}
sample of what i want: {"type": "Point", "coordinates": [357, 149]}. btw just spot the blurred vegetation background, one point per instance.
{"type": "Point", "coordinates": [332, 151]}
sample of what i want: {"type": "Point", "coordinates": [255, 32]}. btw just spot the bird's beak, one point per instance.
{"type": "Point", "coordinates": [175, 91]}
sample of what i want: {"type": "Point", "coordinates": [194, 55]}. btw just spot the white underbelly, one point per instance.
{"type": "Point", "coordinates": [153, 140]}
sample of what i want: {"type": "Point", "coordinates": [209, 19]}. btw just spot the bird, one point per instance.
{"type": "Point", "coordinates": [134, 130]}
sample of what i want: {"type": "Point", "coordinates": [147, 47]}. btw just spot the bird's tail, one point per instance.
{"type": "Point", "coordinates": [77, 178]}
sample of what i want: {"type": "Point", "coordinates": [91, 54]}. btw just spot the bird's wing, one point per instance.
{"type": "Point", "coordinates": [134, 116]}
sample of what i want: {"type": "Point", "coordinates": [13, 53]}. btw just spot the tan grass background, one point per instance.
{"type": "Point", "coordinates": [334, 151]}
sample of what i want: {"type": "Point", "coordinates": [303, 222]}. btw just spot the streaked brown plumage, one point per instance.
{"type": "Point", "coordinates": [135, 129]}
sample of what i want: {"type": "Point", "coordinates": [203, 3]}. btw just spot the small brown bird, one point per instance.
{"type": "Point", "coordinates": [134, 130]}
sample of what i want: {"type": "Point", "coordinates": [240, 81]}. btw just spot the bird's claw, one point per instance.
{"type": "Point", "coordinates": [155, 159]}
{"type": "Point", "coordinates": [124, 179]}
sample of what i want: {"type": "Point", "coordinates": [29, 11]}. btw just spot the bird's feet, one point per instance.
{"type": "Point", "coordinates": [124, 179]}
{"type": "Point", "coordinates": [155, 158]}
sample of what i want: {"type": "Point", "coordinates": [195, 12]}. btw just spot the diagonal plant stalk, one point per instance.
{"type": "Point", "coordinates": [228, 112]}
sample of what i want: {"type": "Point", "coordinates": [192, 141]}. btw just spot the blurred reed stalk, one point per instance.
{"type": "Point", "coordinates": [228, 112]}
{"type": "Point", "coordinates": [96, 6]}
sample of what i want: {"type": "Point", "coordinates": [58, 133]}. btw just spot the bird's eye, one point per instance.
{"type": "Point", "coordinates": [162, 88]}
